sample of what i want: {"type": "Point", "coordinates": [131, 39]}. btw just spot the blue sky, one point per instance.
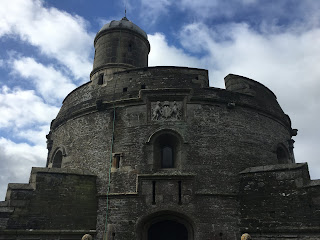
{"type": "Point", "coordinates": [47, 50]}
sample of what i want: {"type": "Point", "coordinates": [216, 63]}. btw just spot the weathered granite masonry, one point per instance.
{"type": "Point", "coordinates": [279, 199]}
{"type": "Point", "coordinates": [144, 152]}
{"type": "Point", "coordinates": [55, 202]}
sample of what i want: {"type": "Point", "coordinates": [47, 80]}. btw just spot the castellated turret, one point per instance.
{"type": "Point", "coordinates": [154, 153]}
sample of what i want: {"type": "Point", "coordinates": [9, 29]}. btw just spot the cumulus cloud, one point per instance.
{"type": "Point", "coordinates": [61, 39]}
{"type": "Point", "coordinates": [22, 108]}
{"type": "Point", "coordinates": [49, 82]}
{"type": "Point", "coordinates": [284, 13]}
{"type": "Point", "coordinates": [16, 160]}
{"type": "Point", "coordinates": [57, 34]}
{"type": "Point", "coordinates": [295, 14]}
{"type": "Point", "coordinates": [152, 9]}
{"type": "Point", "coordinates": [28, 118]}
{"type": "Point", "coordinates": [36, 136]}
{"type": "Point", "coordinates": [162, 54]}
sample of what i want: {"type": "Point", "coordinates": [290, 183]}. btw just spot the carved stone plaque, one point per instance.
{"type": "Point", "coordinates": [166, 110]}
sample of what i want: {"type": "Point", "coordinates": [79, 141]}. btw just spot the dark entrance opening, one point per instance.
{"type": "Point", "coordinates": [282, 155]}
{"type": "Point", "coordinates": [57, 160]}
{"type": "Point", "coordinates": [167, 230]}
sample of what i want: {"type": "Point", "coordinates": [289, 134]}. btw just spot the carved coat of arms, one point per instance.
{"type": "Point", "coordinates": [166, 110]}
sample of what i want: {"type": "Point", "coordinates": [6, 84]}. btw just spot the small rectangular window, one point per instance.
{"type": "Point", "coordinates": [167, 160]}
{"type": "Point", "coordinates": [116, 160]}
{"type": "Point", "coordinates": [125, 89]}
{"type": "Point", "coordinates": [100, 80]}
{"type": "Point", "coordinates": [143, 86]}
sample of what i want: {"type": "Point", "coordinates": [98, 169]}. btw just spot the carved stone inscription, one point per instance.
{"type": "Point", "coordinates": [166, 110]}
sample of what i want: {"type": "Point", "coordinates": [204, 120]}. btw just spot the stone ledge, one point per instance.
{"type": "Point", "coordinates": [62, 171]}
{"type": "Point", "coordinates": [125, 194]}
{"type": "Point", "coordinates": [4, 203]}
{"type": "Point", "coordinates": [282, 231]}
{"type": "Point", "coordinates": [168, 175]}
{"type": "Point", "coordinates": [313, 183]}
{"type": "Point", "coordinates": [20, 186]}
{"type": "Point", "coordinates": [46, 232]}
{"type": "Point", "coordinates": [5, 209]}
{"type": "Point", "coordinates": [163, 68]}
{"type": "Point", "coordinates": [18, 203]}
{"type": "Point", "coordinates": [271, 168]}
{"type": "Point", "coordinates": [216, 194]}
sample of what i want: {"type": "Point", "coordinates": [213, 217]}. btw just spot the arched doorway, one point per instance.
{"type": "Point", "coordinates": [282, 154]}
{"type": "Point", "coordinates": [167, 230]}
{"type": "Point", "coordinates": [57, 160]}
{"type": "Point", "coordinates": [165, 225]}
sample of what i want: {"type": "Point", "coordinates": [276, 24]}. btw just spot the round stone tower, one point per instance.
{"type": "Point", "coordinates": [120, 45]}
{"type": "Point", "coordinates": [166, 148]}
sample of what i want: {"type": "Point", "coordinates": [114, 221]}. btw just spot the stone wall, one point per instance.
{"type": "Point", "coordinates": [280, 202]}
{"type": "Point", "coordinates": [55, 202]}
{"type": "Point", "coordinates": [199, 212]}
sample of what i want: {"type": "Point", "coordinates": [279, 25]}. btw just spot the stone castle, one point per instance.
{"type": "Point", "coordinates": [154, 153]}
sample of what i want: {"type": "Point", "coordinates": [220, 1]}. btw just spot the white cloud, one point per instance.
{"type": "Point", "coordinates": [50, 83]}
{"type": "Point", "coordinates": [57, 34]}
{"type": "Point", "coordinates": [16, 161]}
{"type": "Point", "coordinates": [162, 54]}
{"type": "Point", "coordinates": [152, 9]}
{"type": "Point", "coordinates": [36, 135]}
{"type": "Point", "coordinates": [288, 13]}
{"type": "Point", "coordinates": [21, 108]}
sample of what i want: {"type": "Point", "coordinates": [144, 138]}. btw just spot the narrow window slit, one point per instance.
{"type": "Point", "coordinates": [153, 192]}
{"type": "Point", "coordinates": [116, 160]}
{"type": "Point", "coordinates": [100, 80]}
{"type": "Point", "coordinates": [180, 195]}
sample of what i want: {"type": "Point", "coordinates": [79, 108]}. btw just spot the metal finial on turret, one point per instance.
{"type": "Point", "coordinates": [125, 12]}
